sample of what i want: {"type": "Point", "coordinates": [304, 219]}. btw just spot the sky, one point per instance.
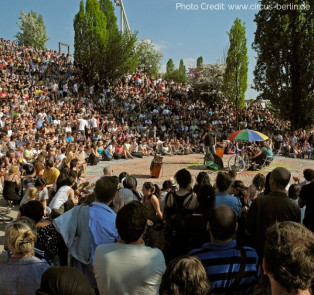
{"type": "Point", "coordinates": [180, 29]}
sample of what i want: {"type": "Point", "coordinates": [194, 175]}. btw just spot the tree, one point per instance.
{"type": "Point", "coordinates": [170, 66]}
{"type": "Point", "coordinates": [199, 62]}
{"type": "Point", "coordinates": [176, 76]}
{"type": "Point", "coordinates": [149, 57]}
{"type": "Point", "coordinates": [182, 67]}
{"type": "Point", "coordinates": [90, 39]}
{"type": "Point", "coordinates": [208, 83]}
{"type": "Point", "coordinates": [120, 56]}
{"type": "Point", "coordinates": [33, 30]}
{"type": "Point", "coordinates": [284, 72]}
{"type": "Point", "coordinates": [102, 52]}
{"type": "Point", "coordinates": [235, 77]}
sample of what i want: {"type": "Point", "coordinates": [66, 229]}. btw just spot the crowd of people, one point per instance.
{"type": "Point", "coordinates": [183, 238]}
{"type": "Point", "coordinates": [128, 241]}
{"type": "Point", "coordinates": [46, 104]}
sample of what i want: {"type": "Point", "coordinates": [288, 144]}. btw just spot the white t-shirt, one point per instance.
{"type": "Point", "coordinates": [60, 197]}
{"type": "Point", "coordinates": [61, 157]}
{"type": "Point", "coordinates": [93, 123]}
{"type": "Point", "coordinates": [43, 195]}
{"type": "Point", "coordinates": [82, 125]}
{"type": "Point", "coordinates": [128, 269]}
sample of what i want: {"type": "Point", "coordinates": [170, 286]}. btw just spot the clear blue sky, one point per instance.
{"type": "Point", "coordinates": [177, 31]}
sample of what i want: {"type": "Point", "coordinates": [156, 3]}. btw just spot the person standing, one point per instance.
{"type": "Point", "coordinates": [83, 228]}
{"type": "Point", "coordinates": [209, 139]}
{"type": "Point", "coordinates": [306, 198]}
{"type": "Point", "coordinates": [271, 208]}
{"type": "Point", "coordinates": [129, 267]}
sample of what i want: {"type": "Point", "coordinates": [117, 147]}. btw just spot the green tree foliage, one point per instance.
{"type": "Point", "coordinates": [182, 67]}
{"type": "Point", "coordinates": [199, 62]}
{"type": "Point", "coordinates": [175, 75]}
{"type": "Point", "coordinates": [284, 72]}
{"type": "Point", "coordinates": [120, 56]}
{"type": "Point", "coordinates": [149, 57]}
{"type": "Point", "coordinates": [207, 84]}
{"type": "Point", "coordinates": [33, 30]}
{"type": "Point", "coordinates": [91, 38]}
{"type": "Point", "coordinates": [170, 66]}
{"type": "Point", "coordinates": [102, 52]}
{"type": "Point", "coordinates": [235, 77]}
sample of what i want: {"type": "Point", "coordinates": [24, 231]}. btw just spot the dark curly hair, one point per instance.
{"type": "Point", "coordinates": [131, 221]}
{"type": "Point", "coordinates": [183, 178]}
{"type": "Point", "coordinates": [289, 255]}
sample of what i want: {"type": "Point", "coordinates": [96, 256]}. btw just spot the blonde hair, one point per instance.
{"type": "Point", "coordinates": [20, 238]}
{"type": "Point", "coordinates": [32, 193]}
{"type": "Point", "coordinates": [14, 169]}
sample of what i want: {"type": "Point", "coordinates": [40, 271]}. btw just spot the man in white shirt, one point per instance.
{"type": "Point", "coordinates": [93, 122]}
{"type": "Point", "coordinates": [129, 267]}
{"type": "Point", "coordinates": [82, 124]}
{"type": "Point", "coordinates": [61, 156]}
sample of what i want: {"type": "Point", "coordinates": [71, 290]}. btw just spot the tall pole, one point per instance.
{"type": "Point", "coordinates": [123, 17]}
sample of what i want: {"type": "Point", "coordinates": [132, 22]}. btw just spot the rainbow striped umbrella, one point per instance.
{"type": "Point", "coordinates": [247, 135]}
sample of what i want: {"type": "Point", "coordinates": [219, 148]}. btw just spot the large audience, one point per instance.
{"type": "Point", "coordinates": [113, 238]}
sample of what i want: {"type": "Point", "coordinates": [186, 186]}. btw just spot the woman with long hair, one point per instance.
{"type": "Point", "coordinates": [201, 179]}
{"type": "Point", "coordinates": [151, 196]}
{"type": "Point", "coordinates": [12, 181]}
{"type": "Point", "coordinates": [195, 224]}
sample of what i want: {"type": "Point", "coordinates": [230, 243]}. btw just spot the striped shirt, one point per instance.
{"type": "Point", "coordinates": [222, 262]}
